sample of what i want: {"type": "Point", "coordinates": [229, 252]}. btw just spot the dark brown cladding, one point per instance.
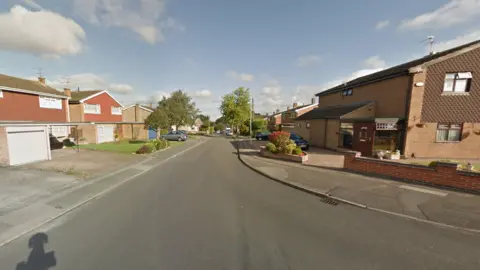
{"type": "Point", "coordinates": [452, 108]}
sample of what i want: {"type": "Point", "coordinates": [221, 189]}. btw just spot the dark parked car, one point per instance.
{"type": "Point", "coordinates": [262, 136]}
{"type": "Point", "coordinates": [175, 136]}
{"type": "Point", "coordinates": [299, 141]}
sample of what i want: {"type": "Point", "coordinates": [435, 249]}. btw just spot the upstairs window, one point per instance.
{"type": "Point", "coordinates": [449, 132]}
{"type": "Point", "coordinates": [116, 111]}
{"type": "Point", "coordinates": [457, 82]}
{"type": "Point", "coordinates": [347, 92]}
{"type": "Point", "coordinates": [91, 108]}
{"type": "Point", "coordinates": [1, 94]}
{"type": "Point", "coordinates": [50, 103]}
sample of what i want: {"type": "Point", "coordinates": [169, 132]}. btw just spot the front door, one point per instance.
{"type": "Point", "coordinates": [363, 136]}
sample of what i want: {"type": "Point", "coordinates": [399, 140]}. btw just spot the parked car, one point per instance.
{"type": "Point", "coordinates": [184, 132]}
{"type": "Point", "coordinates": [175, 136]}
{"type": "Point", "coordinates": [228, 133]}
{"type": "Point", "coordinates": [299, 141]}
{"type": "Point", "coordinates": [262, 136]}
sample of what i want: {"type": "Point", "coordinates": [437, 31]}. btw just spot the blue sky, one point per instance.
{"type": "Point", "coordinates": [283, 50]}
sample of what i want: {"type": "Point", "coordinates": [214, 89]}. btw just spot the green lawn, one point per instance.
{"type": "Point", "coordinates": [119, 147]}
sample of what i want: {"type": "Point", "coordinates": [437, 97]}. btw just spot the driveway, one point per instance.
{"type": "Point", "coordinates": [85, 163]}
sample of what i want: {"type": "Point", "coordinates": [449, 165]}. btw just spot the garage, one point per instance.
{"type": "Point", "coordinates": [105, 133]}
{"type": "Point", "coordinates": [27, 144]}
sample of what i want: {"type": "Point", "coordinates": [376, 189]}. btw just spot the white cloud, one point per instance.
{"type": "Point", "coordinates": [452, 13]}
{"type": "Point", "coordinates": [382, 24]}
{"type": "Point", "coordinates": [374, 62]}
{"type": "Point", "coordinates": [32, 4]}
{"type": "Point", "coordinates": [159, 95]}
{"type": "Point", "coordinates": [308, 60]}
{"type": "Point", "coordinates": [460, 40]}
{"type": "Point", "coordinates": [89, 81]}
{"type": "Point", "coordinates": [43, 33]}
{"type": "Point", "coordinates": [371, 65]}
{"type": "Point", "coordinates": [271, 96]}
{"type": "Point", "coordinates": [203, 93]}
{"type": "Point", "coordinates": [146, 18]}
{"type": "Point", "coordinates": [244, 77]}
{"type": "Point", "coordinates": [120, 88]}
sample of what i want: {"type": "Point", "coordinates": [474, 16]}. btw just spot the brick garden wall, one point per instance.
{"type": "Point", "coordinates": [442, 175]}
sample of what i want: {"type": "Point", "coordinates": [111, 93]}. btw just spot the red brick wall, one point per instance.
{"type": "Point", "coordinates": [106, 103]}
{"type": "Point", "coordinates": [444, 174]}
{"type": "Point", "coordinates": [25, 107]}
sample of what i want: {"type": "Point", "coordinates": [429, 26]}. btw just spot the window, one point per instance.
{"type": "Point", "coordinates": [92, 108]}
{"type": "Point", "coordinates": [307, 124]}
{"type": "Point", "coordinates": [457, 82]}
{"type": "Point", "coordinates": [449, 132]}
{"type": "Point", "coordinates": [116, 110]}
{"type": "Point", "coordinates": [1, 94]}
{"type": "Point", "coordinates": [50, 103]}
{"type": "Point", "coordinates": [347, 92]}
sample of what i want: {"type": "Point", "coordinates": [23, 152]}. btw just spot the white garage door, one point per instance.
{"type": "Point", "coordinates": [28, 144]}
{"type": "Point", "coordinates": [105, 133]}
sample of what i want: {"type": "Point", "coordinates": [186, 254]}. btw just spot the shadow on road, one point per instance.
{"type": "Point", "coordinates": [38, 259]}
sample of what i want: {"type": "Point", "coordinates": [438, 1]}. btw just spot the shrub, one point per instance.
{"type": "Point", "coordinates": [137, 141]}
{"type": "Point", "coordinates": [297, 151]}
{"type": "Point", "coordinates": [289, 148]}
{"type": "Point", "coordinates": [271, 147]}
{"type": "Point", "coordinates": [145, 149]}
{"type": "Point", "coordinates": [280, 139]}
{"type": "Point", "coordinates": [161, 144]}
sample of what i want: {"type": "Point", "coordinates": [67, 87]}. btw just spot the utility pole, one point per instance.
{"type": "Point", "coordinates": [251, 116]}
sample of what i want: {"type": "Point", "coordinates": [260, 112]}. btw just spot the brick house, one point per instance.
{"type": "Point", "coordinates": [136, 114]}
{"type": "Point", "coordinates": [428, 107]}
{"type": "Point", "coordinates": [100, 109]}
{"type": "Point", "coordinates": [285, 120]}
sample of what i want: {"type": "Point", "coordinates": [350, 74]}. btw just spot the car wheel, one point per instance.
{"type": "Point", "coordinates": [179, 139]}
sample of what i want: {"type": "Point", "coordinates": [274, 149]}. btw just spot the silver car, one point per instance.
{"type": "Point", "coordinates": [175, 136]}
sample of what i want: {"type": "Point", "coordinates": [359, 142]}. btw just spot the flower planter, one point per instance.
{"type": "Point", "coordinates": [294, 158]}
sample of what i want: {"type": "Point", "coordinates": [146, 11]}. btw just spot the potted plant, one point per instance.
{"type": "Point", "coordinates": [380, 154]}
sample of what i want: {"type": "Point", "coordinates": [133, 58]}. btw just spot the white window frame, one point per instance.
{"type": "Point", "coordinates": [50, 103]}
{"type": "Point", "coordinates": [119, 112]}
{"type": "Point", "coordinates": [458, 127]}
{"type": "Point", "coordinates": [455, 79]}
{"type": "Point", "coordinates": [347, 92]}
{"type": "Point", "coordinates": [98, 109]}
{"type": "Point", "coordinates": [1, 94]}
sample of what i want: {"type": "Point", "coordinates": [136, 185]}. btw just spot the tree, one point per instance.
{"type": "Point", "coordinates": [157, 119]}
{"type": "Point", "coordinates": [205, 122]}
{"type": "Point", "coordinates": [258, 124]}
{"type": "Point", "coordinates": [235, 107]}
{"type": "Point", "coordinates": [177, 110]}
{"type": "Point", "coordinates": [180, 109]}
{"type": "Point", "coordinates": [219, 126]}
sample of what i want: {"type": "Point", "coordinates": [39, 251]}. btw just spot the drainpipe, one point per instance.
{"type": "Point", "coordinates": [325, 135]}
{"type": "Point", "coordinates": [407, 114]}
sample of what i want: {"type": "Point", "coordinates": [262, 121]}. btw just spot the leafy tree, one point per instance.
{"type": "Point", "coordinates": [235, 107]}
{"type": "Point", "coordinates": [219, 126]}
{"type": "Point", "coordinates": [205, 121]}
{"type": "Point", "coordinates": [178, 110]}
{"type": "Point", "coordinates": [158, 119]}
{"type": "Point", "coordinates": [258, 125]}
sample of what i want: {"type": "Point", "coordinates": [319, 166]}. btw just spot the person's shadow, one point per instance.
{"type": "Point", "coordinates": [38, 259]}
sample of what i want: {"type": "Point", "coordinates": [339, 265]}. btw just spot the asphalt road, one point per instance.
{"type": "Point", "coordinates": [205, 210]}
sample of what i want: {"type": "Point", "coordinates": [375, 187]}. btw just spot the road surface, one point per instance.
{"type": "Point", "coordinates": [205, 210]}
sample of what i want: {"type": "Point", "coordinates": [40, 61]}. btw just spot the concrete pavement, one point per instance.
{"type": "Point", "coordinates": [206, 210]}
{"type": "Point", "coordinates": [425, 203]}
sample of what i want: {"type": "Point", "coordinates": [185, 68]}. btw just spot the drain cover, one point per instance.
{"type": "Point", "coordinates": [330, 201]}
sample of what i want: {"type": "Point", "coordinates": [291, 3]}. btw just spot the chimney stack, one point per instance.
{"type": "Point", "coordinates": [313, 100]}
{"type": "Point", "coordinates": [295, 104]}
{"type": "Point", "coordinates": [41, 80]}
{"type": "Point", "coordinates": [67, 92]}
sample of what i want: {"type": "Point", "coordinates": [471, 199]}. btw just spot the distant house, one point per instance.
{"type": "Point", "coordinates": [193, 128]}
{"type": "Point", "coordinates": [136, 113]}
{"type": "Point", "coordinates": [285, 120]}
{"type": "Point", "coordinates": [98, 107]}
